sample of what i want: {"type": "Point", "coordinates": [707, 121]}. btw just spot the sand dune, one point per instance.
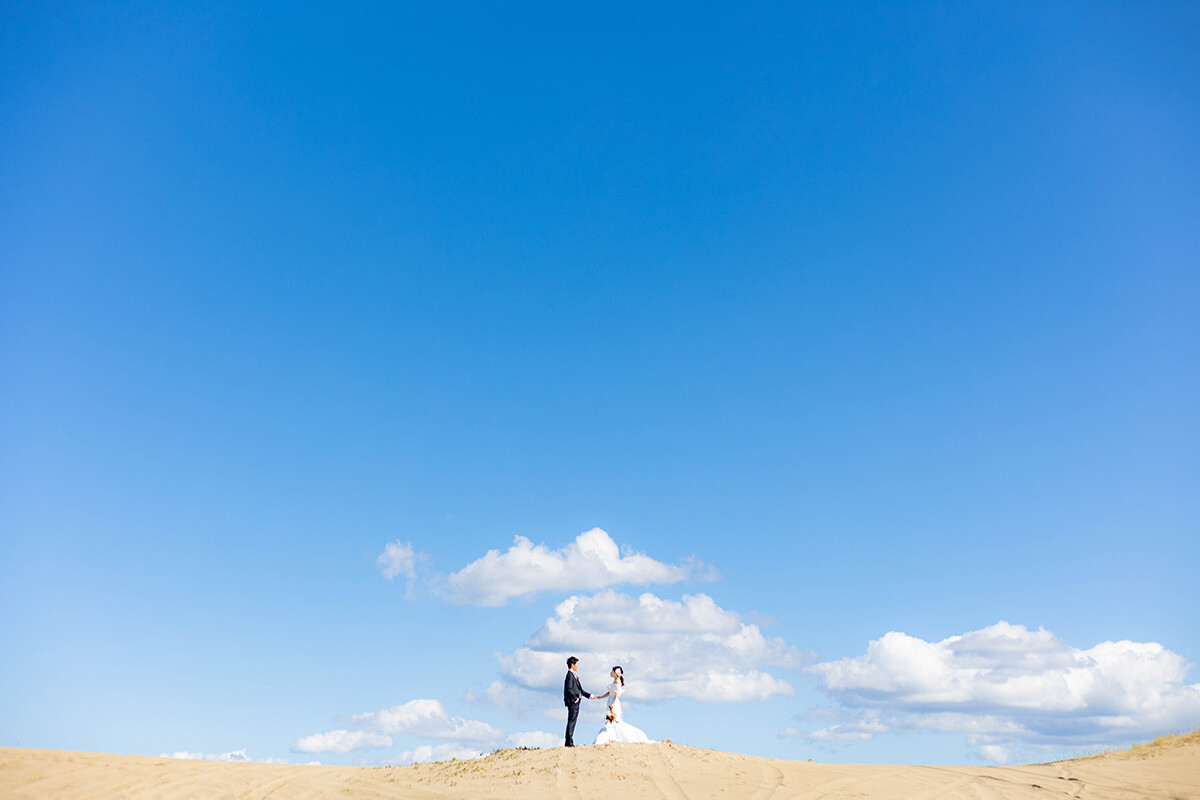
{"type": "Point", "coordinates": [667, 771]}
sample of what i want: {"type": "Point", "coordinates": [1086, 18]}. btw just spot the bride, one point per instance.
{"type": "Point", "coordinates": [616, 729]}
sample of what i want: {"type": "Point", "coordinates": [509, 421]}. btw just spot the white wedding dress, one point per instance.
{"type": "Point", "coordinates": [619, 730]}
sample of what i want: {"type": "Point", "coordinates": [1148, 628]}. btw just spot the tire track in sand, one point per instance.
{"type": "Point", "coordinates": [660, 776]}
{"type": "Point", "coordinates": [948, 783]}
{"type": "Point", "coordinates": [842, 781]}
{"type": "Point", "coordinates": [771, 778]}
{"type": "Point", "coordinates": [1061, 784]}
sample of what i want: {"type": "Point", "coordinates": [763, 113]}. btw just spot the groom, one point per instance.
{"type": "Point", "coordinates": [572, 692]}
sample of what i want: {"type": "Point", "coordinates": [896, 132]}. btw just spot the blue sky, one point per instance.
{"type": "Point", "coordinates": [885, 316]}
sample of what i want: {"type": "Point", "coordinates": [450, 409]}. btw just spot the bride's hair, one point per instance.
{"type": "Point", "coordinates": [620, 674]}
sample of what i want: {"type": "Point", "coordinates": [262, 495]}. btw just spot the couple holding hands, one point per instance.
{"type": "Point", "coordinates": [615, 729]}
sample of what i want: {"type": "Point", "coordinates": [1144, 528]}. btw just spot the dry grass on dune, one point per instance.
{"type": "Point", "coordinates": [1171, 740]}
{"type": "Point", "coordinates": [1156, 745]}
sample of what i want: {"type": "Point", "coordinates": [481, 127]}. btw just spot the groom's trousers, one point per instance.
{"type": "Point", "coordinates": [572, 718]}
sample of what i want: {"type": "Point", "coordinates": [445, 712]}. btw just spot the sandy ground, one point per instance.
{"type": "Point", "coordinates": [611, 772]}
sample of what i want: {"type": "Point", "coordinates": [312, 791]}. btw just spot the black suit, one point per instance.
{"type": "Point", "coordinates": [572, 692]}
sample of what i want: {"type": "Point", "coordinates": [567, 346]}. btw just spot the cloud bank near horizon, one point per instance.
{"type": "Point", "coordinates": [238, 756]}
{"type": "Point", "coordinates": [421, 718]}
{"type": "Point", "coordinates": [1009, 690]}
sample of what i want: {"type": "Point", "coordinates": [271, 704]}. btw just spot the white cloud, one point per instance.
{"type": "Point", "coordinates": [995, 753]}
{"type": "Point", "coordinates": [592, 561]}
{"type": "Point", "coordinates": [1007, 688]}
{"type": "Point", "coordinates": [860, 731]}
{"type": "Point", "coordinates": [517, 701]}
{"type": "Point", "coordinates": [425, 753]}
{"type": "Point", "coordinates": [399, 558]}
{"type": "Point", "coordinates": [341, 741]}
{"type": "Point", "coordinates": [691, 648]}
{"type": "Point", "coordinates": [233, 755]}
{"type": "Point", "coordinates": [445, 752]}
{"type": "Point", "coordinates": [424, 718]}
